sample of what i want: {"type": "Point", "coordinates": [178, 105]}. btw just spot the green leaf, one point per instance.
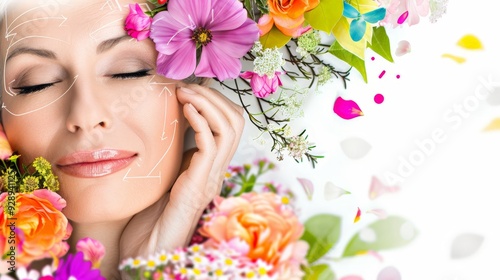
{"type": "Point", "coordinates": [326, 15]}
{"type": "Point", "coordinates": [381, 44]}
{"type": "Point", "coordinates": [274, 38]}
{"type": "Point", "coordinates": [321, 233]}
{"type": "Point", "coordinates": [320, 272]}
{"type": "Point", "coordinates": [337, 50]}
{"type": "Point", "coordinates": [389, 233]}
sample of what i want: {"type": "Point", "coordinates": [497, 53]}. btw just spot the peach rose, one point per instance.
{"type": "Point", "coordinates": [38, 228]}
{"type": "Point", "coordinates": [287, 15]}
{"type": "Point", "coordinates": [5, 150]}
{"type": "Point", "coordinates": [271, 230]}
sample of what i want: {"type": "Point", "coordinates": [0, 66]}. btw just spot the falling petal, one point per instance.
{"type": "Point", "coordinates": [346, 109]}
{"type": "Point", "coordinates": [358, 216]}
{"type": "Point", "coordinates": [308, 187]}
{"type": "Point", "coordinates": [470, 42]}
{"type": "Point", "coordinates": [355, 148]}
{"type": "Point", "coordinates": [333, 192]}
{"type": "Point", "coordinates": [389, 273]}
{"type": "Point", "coordinates": [402, 18]}
{"type": "Point", "coordinates": [457, 59]}
{"type": "Point", "coordinates": [380, 213]}
{"type": "Point", "coordinates": [404, 47]}
{"type": "Point", "coordinates": [466, 245]}
{"type": "Point", "coordinates": [352, 277]}
{"type": "Point", "coordinates": [377, 188]}
{"type": "Point", "coordinates": [376, 255]}
{"type": "Point", "coordinates": [494, 125]}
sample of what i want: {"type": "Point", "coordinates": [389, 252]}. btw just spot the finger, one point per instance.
{"type": "Point", "coordinates": [232, 112]}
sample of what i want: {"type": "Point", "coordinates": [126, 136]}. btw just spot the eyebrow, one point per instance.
{"type": "Point", "coordinates": [110, 43]}
{"type": "Point", "coordinates": [102, 47]}
{"type": "Point", "coordinates": [37, 52]}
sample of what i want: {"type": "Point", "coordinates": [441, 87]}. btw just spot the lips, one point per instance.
{"type": "Point", "coordinates": [91, 164]}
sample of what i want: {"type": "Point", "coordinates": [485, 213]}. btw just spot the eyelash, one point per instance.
{"type": "Point", "coordinates": [119, 76]}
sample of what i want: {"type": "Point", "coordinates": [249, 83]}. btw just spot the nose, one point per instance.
{"type": "Point", "coordinates": [87, 108]}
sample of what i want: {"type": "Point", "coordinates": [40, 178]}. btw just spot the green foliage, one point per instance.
{"type": "Point", "coordinates": [381, 44]}
{"type": "Point", "coordinates": [337, 50]}
{"type": "Point", "coordinates": [320, 272]}
{"type": "Point", "coordinates": [326, 15]}
{"type": "Point", "coordinates": [388, 235]}
{"type": "Point", "coordinates": [274, 38]}
{"type": "Point", "coordinates": [321, 233]}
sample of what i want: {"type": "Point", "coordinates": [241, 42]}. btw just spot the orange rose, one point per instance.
{"type": "Point", "coordinates": [38, 229]}
{"type": "Point", "coordinates": [271, 231]}
{"type": "Point", "coordinates": [287, 15]}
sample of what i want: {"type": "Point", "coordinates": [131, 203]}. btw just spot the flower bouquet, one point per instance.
{"type": "Point", "coordinates": [272, 53]}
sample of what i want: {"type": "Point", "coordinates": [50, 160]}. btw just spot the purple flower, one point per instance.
{"type": "Point", "coordinates": [74, 265]}
{"type": "Point", "coordinates": [262, 86]}
{"type": "Point", "coordinates": [137, 23]}
{"type": "Point", "coordinates": [220, 28]}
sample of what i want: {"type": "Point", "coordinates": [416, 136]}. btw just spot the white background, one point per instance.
{"type": "Point", "coordinates": [451, 191]}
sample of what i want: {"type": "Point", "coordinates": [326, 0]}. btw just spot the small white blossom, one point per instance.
{"type": "Point", "coordinates": [268, 62]}
{"type": "Point", "coordinates": [438, 9]}
{"type": "Point", "coordinates": [298, 147]}
{"type": "Point", "coordinates": [325, 75]}
{"type": "Point", "coordinates": [308, 43]}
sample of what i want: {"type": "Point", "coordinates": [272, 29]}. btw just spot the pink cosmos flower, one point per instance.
{"type": "Point", "coordinates": [262, 86]}
{"type": "Point", "coordinates": [137, 23]}
{"type": "Point", "coordinates": [396, 8]}
{"type": "Point", "coordinates": [92, 250]}
{"type": "Point", "coordinates": [220, 28]}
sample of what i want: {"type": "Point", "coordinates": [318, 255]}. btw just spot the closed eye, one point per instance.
{"type": "Point", "coordinates": [33, 89]}
{"type": "Point", "coordinates": [132, 75]}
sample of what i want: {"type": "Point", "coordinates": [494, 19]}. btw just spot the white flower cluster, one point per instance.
{"type": "Point", "coordinates": [438, 9]}
{"type": "Point", "coordinates": [268, 61]}
{"type": "Point", "coordinates": [298, 147]}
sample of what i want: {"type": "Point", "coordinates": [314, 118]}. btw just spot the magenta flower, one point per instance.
{"type": "Point", "coordinates": [220, 28]}
{"type": "Point", "coordinates": [262, 86]}
{"type": "Point", "coordinates": [75, 266]}
{"type": "Point", "coordinates": [346, 109]}
{"type": "Point", "coordinates": [137, 23]}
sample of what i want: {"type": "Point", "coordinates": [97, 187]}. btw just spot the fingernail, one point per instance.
{"type": "Point", "coordinates": [186, 90]}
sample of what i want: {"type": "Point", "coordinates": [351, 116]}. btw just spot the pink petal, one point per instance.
{"type": "Point", "coordinates": [346, 109]}
{"type": "Point", "coordinates": [308, 187]}
{"type": "Point", "coordinates": [168, 34]}
{"type": "Point", "coordinates": [238, 42]}
{"type": "Point", "coordinates": [179, 65]}
{"type": "Point", "coordinates": [215, 63]}
{"type": "Point", "coordinates": [228, 15]}
{"type": "Point", "coordinates": [55, 199]}
{"type": "Point", "coordinates": [403, 17]}
{"type": "Point", "coordinates": [404, 47]}
{"type": "Point", "coordinates": [190, 12]}
{"type": "Point", "coordinates": [377, 188]}
{"type": "Point", "coordinates": [380, 213]}
{"type": "Point", "coordinates": [92, 250]}
{"type": "Point", "coordinates": [358, 216]}
{"type": "Point", "coordinates": [389, 273]}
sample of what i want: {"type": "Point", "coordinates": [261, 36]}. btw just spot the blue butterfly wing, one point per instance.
{"type": "Point", "coordinates": [375, 15]}
{"type": "Point", "coordinates": [350, 11]}
{"type": "Point", "coordinates": [358, 29]}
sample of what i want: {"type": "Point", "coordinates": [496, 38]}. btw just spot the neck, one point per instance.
{"type": "Point", "coordinates": [108, 234]}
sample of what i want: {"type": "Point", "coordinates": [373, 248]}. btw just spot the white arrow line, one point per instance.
{"type": "Point", "coordinates": [102, 27]}
{"type": "Point", "coordinates": [163, 138]}
{"type": "Point", "coordinates": [9, 34]}
{"type": "Point", "coordinates": [149, 176]}
{"type": "Point", "coordinates": [30, 10]}
{"type": "Point", "coordinates": [45, 106]}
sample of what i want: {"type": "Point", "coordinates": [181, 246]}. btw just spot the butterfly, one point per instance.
{"type": "Point", "coordinates": [358, 24]}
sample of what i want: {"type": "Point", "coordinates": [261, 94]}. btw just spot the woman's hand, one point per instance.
{"type": "Point", "coordinates": [169, 223]}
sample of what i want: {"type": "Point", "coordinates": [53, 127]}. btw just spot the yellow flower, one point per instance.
{"type": "Point", "coordinates": [30, 184]}
{"type": "Point", "coordinates": [42, 166]}
{"type": "Point", "coordinates": [51, 182]}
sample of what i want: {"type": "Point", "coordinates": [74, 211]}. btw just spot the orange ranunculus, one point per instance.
{"type": "Point", "coordinates": [38, 229]}
{"type": "Point", "coordinates": [287, 15]}
{"type": "Point", "coordinates": [5, 150]}
{"type": "Point", "coordinates": [271, 230]}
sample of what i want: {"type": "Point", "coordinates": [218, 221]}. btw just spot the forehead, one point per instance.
{"type": "Point", "coordinates": [24, 18]}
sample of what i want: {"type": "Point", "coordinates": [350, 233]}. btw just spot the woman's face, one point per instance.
{"type": "Point", "coordinates": [81, 93]}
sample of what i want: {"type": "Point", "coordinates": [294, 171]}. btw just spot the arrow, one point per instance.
{"type": "Point", "coordinates": [102, 27]}
{"type": "Point", "coordinates": [45, 106]}
{"type": "Point", "coordinates": [165, 114]}
{"type": "Point", "coordinates": [10, 34]}
{"type": "Point", "coordinates": [151, 83]}
{"type": "Point", "coordinates": [149, 176]}
{"type": "Point", "coordinates": [30, 10]}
